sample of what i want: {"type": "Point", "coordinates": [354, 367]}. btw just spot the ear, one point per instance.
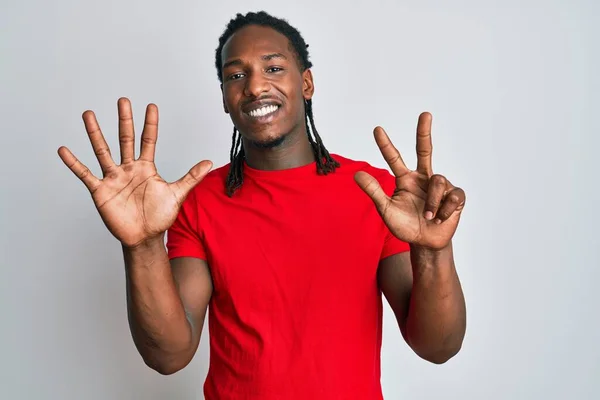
{"type": "Point", "coordinates": [308, 87]}
{"type": "Point", "coordinates": [223, 97]}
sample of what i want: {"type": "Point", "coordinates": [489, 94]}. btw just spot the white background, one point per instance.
{"type": "Point", "coordinates": [513, 87]}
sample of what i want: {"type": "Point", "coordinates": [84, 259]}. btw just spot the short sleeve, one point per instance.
{"type": "Point", "coordinates": [392, 245]}
{"type": "Point", "coordinates": [183, 237]}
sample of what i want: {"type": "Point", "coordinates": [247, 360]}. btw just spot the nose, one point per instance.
{"type": "Point", "coordinates": [256, 84]}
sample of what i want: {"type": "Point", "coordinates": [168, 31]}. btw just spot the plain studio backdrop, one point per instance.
{"type": "Point", "coordinates": [513, 89]}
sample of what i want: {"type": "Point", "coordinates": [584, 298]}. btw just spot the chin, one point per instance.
{"type": "Point", "coordinates": [263, 137]}
{"type": "Point", "coordinates": [266, 142]}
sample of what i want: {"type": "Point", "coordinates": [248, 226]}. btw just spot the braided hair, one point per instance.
{"type": "Point", "coordinates": [324, 162]}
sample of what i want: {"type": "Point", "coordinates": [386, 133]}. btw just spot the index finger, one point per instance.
{"type": "Point", "coordinates": [424, 146]}
{"type": "Point", "coordinates": [390, 152]}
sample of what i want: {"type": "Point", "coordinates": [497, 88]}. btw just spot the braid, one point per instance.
{"type": "Point", "coordinates": [235, 177]}
{"type": "Point", "coordinates": [325, 163]}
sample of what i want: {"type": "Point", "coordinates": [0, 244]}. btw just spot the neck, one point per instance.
{"type": "Point", "coordinates": [294, 151]}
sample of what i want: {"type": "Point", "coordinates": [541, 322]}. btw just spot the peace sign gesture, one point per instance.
{"type": "Point", "coordinates": [425, 207]}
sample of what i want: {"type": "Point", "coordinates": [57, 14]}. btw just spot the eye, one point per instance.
{"type": "Point", "coordinates": [274, 69]}
{"type": "Point", "coordinates": [234, 77]}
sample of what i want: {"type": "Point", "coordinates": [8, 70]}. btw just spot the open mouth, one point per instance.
{"type": "Point", "coordinates": [264, 111]}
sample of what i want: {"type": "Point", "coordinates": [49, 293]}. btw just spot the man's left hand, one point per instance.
{"type": "Point", "coordinates": [425, 208]}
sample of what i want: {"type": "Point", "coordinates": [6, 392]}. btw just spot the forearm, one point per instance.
{"type": "Point", "coordinates": [436, 320]}
{"type": "Point", "coordinates": [157, 319]}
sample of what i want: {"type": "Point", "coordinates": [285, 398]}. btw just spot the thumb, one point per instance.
{"type": "Point", "coordinates": [182, 187]}
{"type": "Point", "coordinates": [371, 187]}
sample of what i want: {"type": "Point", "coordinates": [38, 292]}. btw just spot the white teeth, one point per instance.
{"type": "Point", "coordinates": [261, 112]}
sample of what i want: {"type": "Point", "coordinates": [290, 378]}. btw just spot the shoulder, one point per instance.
{"type": "Point", "coordinates": [216, 178]}
{"type": "Point", "coordinates": [358, 165]}
{"type": "Point", "coordinates": [213, 185]}
{"type": "Point", "coordinates": [352, 166]}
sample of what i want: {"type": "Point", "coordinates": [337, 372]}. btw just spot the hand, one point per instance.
{"type": "Point", "coordinates": [425, 208]}
{"type": "Point", "coordinates": [134, 202]}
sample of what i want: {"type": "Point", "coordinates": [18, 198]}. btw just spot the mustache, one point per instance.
{"type": "Point", "coordinates": [261, 98]}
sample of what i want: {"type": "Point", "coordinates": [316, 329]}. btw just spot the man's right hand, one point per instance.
{"type": "Point", "coordinates": [135, 203]}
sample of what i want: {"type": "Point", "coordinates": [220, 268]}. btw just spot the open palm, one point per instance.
{"type": "Point", "coordinates": [425, 207]}
{"type": "Point", "coordinates": [134, 202]}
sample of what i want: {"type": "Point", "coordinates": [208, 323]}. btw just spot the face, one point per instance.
{"type": "Point", "coordinates": [263, 87]}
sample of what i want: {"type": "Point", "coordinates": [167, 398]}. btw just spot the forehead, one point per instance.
{"type": "Point", "coordinates": [255, 41]}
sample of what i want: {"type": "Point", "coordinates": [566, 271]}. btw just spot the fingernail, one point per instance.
{"type": "Point", "coordinates": [438, 221]}
{"type": "Point", "coordinates": [428, 215]}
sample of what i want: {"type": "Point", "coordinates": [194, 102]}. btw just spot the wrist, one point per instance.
{"type": "Point", "coordinates": [430, 251]}
{"type": "Point", "coordinates": [150, 244]}
{"type": "Point", "coordinates": [425, 258]}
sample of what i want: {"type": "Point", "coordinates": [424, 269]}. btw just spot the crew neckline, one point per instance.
{"type": "Point", "coordinates": [309, 169]}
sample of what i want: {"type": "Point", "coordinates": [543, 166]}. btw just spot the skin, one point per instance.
{"type": "Point", "coordinates": [167, 300]}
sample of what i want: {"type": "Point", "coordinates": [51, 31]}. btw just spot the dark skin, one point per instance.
{"type": "Point", "coordinates": [167, 300]}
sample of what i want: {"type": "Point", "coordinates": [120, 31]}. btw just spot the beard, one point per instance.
{"type": "Point", "coordinates": [270, 142]}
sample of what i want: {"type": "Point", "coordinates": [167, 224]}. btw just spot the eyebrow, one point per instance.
{"type": "Point", "coordinates": [271, 56]}
{"type": "Point", "coordinates": [266, 57]}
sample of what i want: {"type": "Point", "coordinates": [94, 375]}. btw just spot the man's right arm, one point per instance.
{"type": "Point", "coordinates": [166, 304]}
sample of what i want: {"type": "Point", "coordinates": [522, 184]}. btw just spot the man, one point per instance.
{"type": "Point", "coordinates": [290, 246]}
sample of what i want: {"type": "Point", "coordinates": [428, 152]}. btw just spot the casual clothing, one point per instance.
{"type": "Point", "coordinates": [296, 312]}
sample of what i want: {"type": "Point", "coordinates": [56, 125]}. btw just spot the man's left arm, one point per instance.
{"type": "Point", "coordinates": [422, 209]}
{"type": "Point", "coordinates": [424, 291]}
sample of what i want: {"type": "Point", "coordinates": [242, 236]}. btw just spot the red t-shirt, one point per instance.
{"type": "Point", "coordinates": [296, 311]}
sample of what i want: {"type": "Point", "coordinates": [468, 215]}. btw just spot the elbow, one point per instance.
{"type": "Point", "coordinates": [165, 359]}
{"type": "Point", "coordinates": [440, 356]}
{"type": "Point", "coordinates": [439, 359]}
{"type": "Point", "coordinates": [167, 367]}
{"type": "Point", "coordinates": [436, 350]}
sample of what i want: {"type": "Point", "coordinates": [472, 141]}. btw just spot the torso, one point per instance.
{"type": "Point", "coordinates": [296, 309]}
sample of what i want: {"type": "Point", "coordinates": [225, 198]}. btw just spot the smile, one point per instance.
{"type": "Point", "coordinates": [263, 111]}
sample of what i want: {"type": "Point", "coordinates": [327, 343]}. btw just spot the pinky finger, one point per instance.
{"type": "Point", "coordinates": [80, 170]}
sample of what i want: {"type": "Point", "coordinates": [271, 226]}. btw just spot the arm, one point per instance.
{"type": "Point", "coordinates": [424, 291]}
{"type": "Point", "coordinates": [423, 209]}
{"type": "Point", "coordinates": [166, 304]}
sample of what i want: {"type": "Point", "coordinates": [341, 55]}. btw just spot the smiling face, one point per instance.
{"type": "Point", "coordinates": [263, 87]}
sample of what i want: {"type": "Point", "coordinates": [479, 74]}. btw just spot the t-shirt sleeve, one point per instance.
{"type": "Point", "coordinates": [392, 245]}
{"type": "Point", "coordinates": [183, 237]}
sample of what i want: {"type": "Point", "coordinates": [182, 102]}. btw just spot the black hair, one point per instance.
{"type": "Point", "coordinates": [325, 163]}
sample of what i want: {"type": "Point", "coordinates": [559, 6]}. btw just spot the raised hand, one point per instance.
{"type": "Point", "coordinates": [425, 207]}
{"type": "Point", "coordinates": [134, 202]}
